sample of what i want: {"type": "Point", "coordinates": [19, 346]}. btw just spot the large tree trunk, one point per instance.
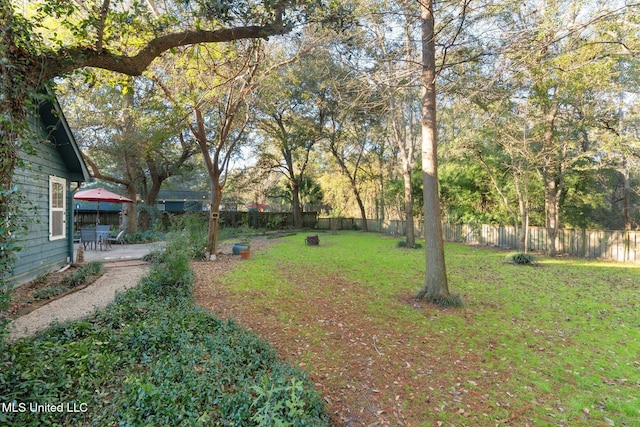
{"type": "Point", "coordinates": [353, 184]}
{"type": "Point", "coordinates": [523, 207]}
{"type": "Point", "coordinates": [380, 202]}
{"type": "Point", "coordinates": [214, 218]}
{"type": "Point", "coordinates": [626, 208]}
{"type": "Point", "coordinates": [130, 211]}
{"type": "Point", "coordinates": [435, 283]}
{"type": "Point", "coordinates": [552, 175]}
{"type": "Point", "coordinates": [131, 158]}
{"type": "Point", "coordinates": [157, 178]}
{"type": "Point", "coordinates": [410, 232]}
{"type": "Point", "coordinates": [295, 204]}
{"type": "Point", "coordinates": [552, 193]}
{"type": "Point", "coordinates": [363, 212]}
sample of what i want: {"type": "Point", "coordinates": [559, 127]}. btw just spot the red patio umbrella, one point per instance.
{"type": "Point", "coordinates": [258, 206]}
{"type": "Point", "coordinates": [100, 195]}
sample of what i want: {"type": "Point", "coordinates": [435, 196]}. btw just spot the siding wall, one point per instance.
{"type": "Point", "coordinates": [38, 254]}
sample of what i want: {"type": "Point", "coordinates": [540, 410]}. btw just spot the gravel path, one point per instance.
{"type": "Point", "coordinates": [79, 304]}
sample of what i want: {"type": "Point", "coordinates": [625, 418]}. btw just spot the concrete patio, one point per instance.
{"type": "Point", "coordinates": [118, 252]}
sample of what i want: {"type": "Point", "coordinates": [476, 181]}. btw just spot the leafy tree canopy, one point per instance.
{"type": "Point", "coordinates": [126, 35]}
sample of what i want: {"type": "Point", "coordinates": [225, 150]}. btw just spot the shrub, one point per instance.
{"type": "Point", "coordinates": [404, 244]}
{"type": "Point", "coordinates": [147, 236]}
{"type": "Point", "coordinates": [49, 292]}
{"type": "Point", "coordinates": [170, 270]}
{"type": "Point", "coordinates": [153, 256]}
{"type": "Point", "coordinates": [42, 278]}
{"type": "Point", "coordinates": [275, 222]}
{"type": "Point", "coordinates": [83, 274]}
{"type": "Point", "coordinates": [17, 214]}
{"type": "Point", "coordinates": [284, 400]}
{"type": "Point", "coordinates": [520, 258]}
{"type": "Point", "coordinates": [191, 230]}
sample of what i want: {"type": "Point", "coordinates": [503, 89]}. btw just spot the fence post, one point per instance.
{"type": "Point", "coordinates": [626, 242]}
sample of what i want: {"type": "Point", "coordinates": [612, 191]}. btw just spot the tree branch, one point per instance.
{"type": "Point", "coordinates": [99, 175]}
{"type": "Point", "coordinates": [67, 60]}
{"type": "Point", "coordinates": [103, 17]}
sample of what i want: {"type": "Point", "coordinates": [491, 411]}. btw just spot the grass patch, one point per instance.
{"type": "Point", "coordinates": [153, 358]}
{"type": "Point", "coordinates": [558, 345]}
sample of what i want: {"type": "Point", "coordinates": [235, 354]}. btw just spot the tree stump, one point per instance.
{"type": "Point", "coordinates": [80, 255]}
{"type": "Point", "coordinates": [312, 240]}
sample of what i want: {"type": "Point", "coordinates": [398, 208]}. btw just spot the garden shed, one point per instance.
{"type": "Point", "coordinates": [47, 177]}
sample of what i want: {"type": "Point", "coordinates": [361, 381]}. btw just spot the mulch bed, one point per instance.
{"type": "Point", "coordinates": [41, 291]}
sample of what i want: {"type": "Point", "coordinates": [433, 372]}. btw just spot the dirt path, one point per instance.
{"type": "Point", "coordinates": [80, 304]}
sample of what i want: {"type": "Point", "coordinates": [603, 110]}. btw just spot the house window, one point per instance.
{"type": "Point", "coordinates": [57, 208]}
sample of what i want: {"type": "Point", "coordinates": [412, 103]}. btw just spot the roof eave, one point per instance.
{"type": "Point", "coordinates": [58, 127]}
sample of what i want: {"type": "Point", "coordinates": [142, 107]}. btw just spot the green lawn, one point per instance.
{"type": "Point", "coordinates": [554, 344]}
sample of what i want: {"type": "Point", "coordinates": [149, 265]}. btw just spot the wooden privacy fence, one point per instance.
{"type": "Point", "coordinates": [393, 227]}
{"type": "Point", "coordinates": [252, 219]}
{"type": "Point", "coordinates": [601, 244]}
{"type": "Point", "coordinates": [622, 246]}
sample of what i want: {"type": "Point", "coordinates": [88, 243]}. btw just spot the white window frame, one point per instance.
{"type": "Point", "coordinates": [53, 181]}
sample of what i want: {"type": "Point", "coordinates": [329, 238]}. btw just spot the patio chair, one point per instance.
{"type": "Point", "coordinates": [118, 239]}
{"type": "Point", "coordinates": [88, 236]}
{"type": "Point", "coordinates": [103, 233]}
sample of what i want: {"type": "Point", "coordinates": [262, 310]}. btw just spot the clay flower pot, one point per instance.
{"type": "Point", "coordinates": [237, 247]}
{"type": "Point", "coordinates": [244, 254]}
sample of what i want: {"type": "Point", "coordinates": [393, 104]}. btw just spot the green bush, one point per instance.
{"type": "Point", "coordinates": [238, 233]}
{"type": "Point", "coordinates": [49, 292]}
{"type": "Point", "coordinates": [153, 256]}
{"type": "Point", "coordinates": [147, 236]}
{"type": "Point", "coordinates": [283, 400]}
{"type": "Point", "coordinates": [83, 274]}
{"type": "Point", "coordinates": [520, 258]}
{"type": "Point", "coordinates": [404, 244]}
{"type": "Point", "coordinates": [275, 223]}
{"type": "Point", "coordinates": [42, 278]}
{"type": "Point", "coordinates": [170, 269]}
{"type": "Point", "coordinates": [153, 358]}
{"type": "Point", "coordinates": [191, 230]}
{"type": "Point", "coordinates": [18, 213]}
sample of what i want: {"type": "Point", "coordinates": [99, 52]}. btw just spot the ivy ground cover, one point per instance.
{"type": "Point", "coordinates": [555, 344]}
{"type": "Point", "coordinates": [152, 358]}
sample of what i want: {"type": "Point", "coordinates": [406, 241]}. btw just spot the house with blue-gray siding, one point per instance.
{"type": "Point", "coordinates": [47, 178]}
